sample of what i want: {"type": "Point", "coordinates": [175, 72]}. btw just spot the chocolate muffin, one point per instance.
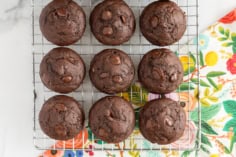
{"type": "Point", "coordinates": [112, 22]}
{"type": "Point", "coordinates": [62, 70]}
{"type": "Point", "coordinates": [160, 71]}
{"type": "Point", "coordinates": [162, 121]}
{"type": "Point", "coordinates": [61, 117]}
{"type": "Point", "coordinates": [112, 71]}
{"type": "Point", "coordinates": [163, 22]}
{"type": "Point", "coordinates": [62, 22]}
{"type": "Point", "coordinates": [112, 119]}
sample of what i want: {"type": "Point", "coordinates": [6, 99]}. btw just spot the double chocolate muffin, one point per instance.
{"type": "Point", "coordinates": [62, 22]}
{"type": "Point", "coordinates": [61, 117]}
{"type": "Point", "coordinates": [112, 22]}
{"type": "Point", "coordinates": [160, 71]}
{"type": "Point", "coordinates": [162, 121]}
{"type": "Point", "coordinates": [163, 22]}
{"type": "Point", "coordinates": [62, 70]}
{"type": "Point", "coordinates": [111, 71]}
{"type": "Point", "coordinates": [112, 119]}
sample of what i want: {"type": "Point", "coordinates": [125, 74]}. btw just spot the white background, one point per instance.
{"type": "Point", "coordinates": [16, 89]}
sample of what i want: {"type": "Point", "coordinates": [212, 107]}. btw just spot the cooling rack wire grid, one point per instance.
{"type": "Point", "coordinates": [87, 94]}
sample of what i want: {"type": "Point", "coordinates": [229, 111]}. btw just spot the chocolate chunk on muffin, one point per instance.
{"type": "Point", "coordinates": [62, 22]}
{"type": "Point", "coordinates": [112, 22]}
{"type": "Point", "coordinates": [160, 71]}
{"type": "Point", "coordinates": [62, 70]}
{"type": "Point", "coordinates": [112, 119]}
{"type": "Point", "coordinates": [162, 121]}
{"type": "Point", "coordinates": [112, 71]}
{"type": "Point", "coordinates": [61, 117]}
{"type": "Point", "coordinates": [163, 22]}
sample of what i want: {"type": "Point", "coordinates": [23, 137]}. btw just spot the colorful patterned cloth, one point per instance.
{"type": "Point", "coordinates": [217, 59]}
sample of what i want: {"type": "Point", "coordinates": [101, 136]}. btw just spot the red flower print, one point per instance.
{"type": "Point", "coordinates": [90, 152]}
{"type": "Point", "coordinates": [231, 64]}
{"type": "Point", "coordinates": [229, 18]}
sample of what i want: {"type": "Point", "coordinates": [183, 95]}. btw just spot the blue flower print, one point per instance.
{"type": "Point", "coordinates": [203, 41]}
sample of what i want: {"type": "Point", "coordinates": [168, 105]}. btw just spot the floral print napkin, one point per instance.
{"type": "Point", "coordinates": [217, 96]}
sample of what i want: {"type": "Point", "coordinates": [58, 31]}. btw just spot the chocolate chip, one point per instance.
{"type": "Point", "coordinates": [103, 75]}
{"type": "Point", "coordinates": [107, 112]}
{"type": "Point", "coordinates": [169, 121]}
{"type": "Point", "coordinates": [154, 21]}
{"type": "Point", "coordinates": [102, 132]}
{"type": "Point", "coordinates": [61, 107]}
{"type": "Point", "coordinates": [115, 59]}
{"type": "Point", "coordinates": [67, 79]}
{"type": "Point", "coordinates": [117, 79]}
{"type": "Point", "coordinates": [123, 19]}
{"type": "Point", "coordinates": [149, 124]}
{"type": "Point", "coordinates": [61, 12]}
{"type": "Point", "coordinates": [107, 31]}
{"type": "Point", "coordinates": [173, 77]}
{"type": "Point", "coordinates": [106, 15]}
{"type": "Point", "coordinates": [60, 130]}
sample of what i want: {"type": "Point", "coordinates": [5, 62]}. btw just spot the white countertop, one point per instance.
{"type": "Point", "coordinates": [16, 93]}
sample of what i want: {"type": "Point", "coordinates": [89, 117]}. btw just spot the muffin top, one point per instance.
{"type": "Point", "coordinates": [62, 70]}
{"type": "Point", "coordinates": [163, 23]}
{"type": "Point", "coordinates": [160, 71]}
{"type": "Point", "coordinates": [61, 117]}
{"type": "Point", "coordinates": [112, 71]}
{"type": "Point", "coordinates": [62, 22]}
{"type": "Point", "coordinates": [112, 119]}
{"type": "Point", "coordinates": [162, 121]}
{"type": "Point", "coordinates": [112, 22]}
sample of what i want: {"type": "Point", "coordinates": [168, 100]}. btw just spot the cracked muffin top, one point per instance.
{"type": "Point", "coordinates": [61, 117]}
{"type": "Point", "coordinates": [112, 119]}
{"type": "Point", "coordinates": [62, 70]}
{"type": "Point", "coordinates": [62, 22]}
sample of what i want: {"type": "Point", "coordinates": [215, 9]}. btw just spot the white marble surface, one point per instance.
{"type": "Point", "coordinates": [16, 89]}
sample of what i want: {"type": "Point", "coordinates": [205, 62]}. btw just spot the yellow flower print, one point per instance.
{"type": "Point", "coordinates": [225, 55]}
{"type": "Point", "coordinates": [187, 62]}
{"type": "Point", "coordinates": [211, 58]}
{"type": "Point", "coordinates": [170, 153]}
{"type": "Point", "coordinates": [214, 155]}
{"type": "Point", "coordinates": [211, 30]}
{"type": "Point", "coordinates": [213, 34]}
{"type": "Point", "coordinates": [125, 95]}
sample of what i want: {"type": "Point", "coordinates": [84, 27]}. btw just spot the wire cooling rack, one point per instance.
{"type": "Point", "coordinates": [87, 94]}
